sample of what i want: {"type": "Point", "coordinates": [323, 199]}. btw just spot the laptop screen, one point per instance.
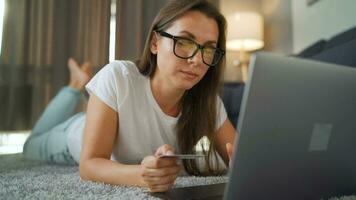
{"type": "Point", "coordinates": [297, 131]}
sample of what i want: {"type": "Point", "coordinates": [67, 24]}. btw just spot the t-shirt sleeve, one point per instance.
{"type": "Point", "coordinates": [103, 85]}
{"type": "Point", "coordinates": [221, 113]}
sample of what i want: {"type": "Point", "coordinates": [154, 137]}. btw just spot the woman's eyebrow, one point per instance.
{"type": "Point", "coordinates": [188, 33]}
{"type": "Point", "coordinates": [193, 37]}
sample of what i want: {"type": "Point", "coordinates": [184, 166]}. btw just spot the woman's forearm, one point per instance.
{"type": "Point", "coordinates": [110, 172]}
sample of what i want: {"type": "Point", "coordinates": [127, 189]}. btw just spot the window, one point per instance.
{"type": "Point", "coordinates": [112, 31]}
{"type": "Point", "coordinates": [2, 11]}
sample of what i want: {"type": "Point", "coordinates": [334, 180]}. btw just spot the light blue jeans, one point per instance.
{"type": "Point", "coordinates": [48, 139]}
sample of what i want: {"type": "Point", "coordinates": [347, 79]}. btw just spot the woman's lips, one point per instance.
{"type": "Point", "coordinates": [189, 75]}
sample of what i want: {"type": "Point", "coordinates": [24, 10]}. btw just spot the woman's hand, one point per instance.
{"type": "Point", "coordinates": [159, 174]}
{"type": "Point", "coordinates": [229, 150]}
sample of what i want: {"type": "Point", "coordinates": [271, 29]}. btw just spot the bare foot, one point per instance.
{"type": "Point", "coordinates": [79, 75]}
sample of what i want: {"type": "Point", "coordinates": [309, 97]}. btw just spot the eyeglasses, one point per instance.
{"type": "Point", "coordinates": [186, 48]}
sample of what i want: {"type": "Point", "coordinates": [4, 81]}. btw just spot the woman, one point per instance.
{"type": "Point", "coordinates": [164, 103]}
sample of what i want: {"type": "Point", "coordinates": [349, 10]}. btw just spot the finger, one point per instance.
{"type": "Point", "coordinates": [153, 162]}
{"type": "Point", "coordinates": [165, 150]}
{"type": "Point", "coordinates": [154, 181]}
{"type": "Point", "coordinates": [149, 162]}
{"type": "Point", "coordinates": [161, 172]}
{"type": "Point", "coordinates": [167, 162]}
{"type": "Point", "coordinates": [229, 150]}
{"type": "Point", "coordinates": [155, 184]}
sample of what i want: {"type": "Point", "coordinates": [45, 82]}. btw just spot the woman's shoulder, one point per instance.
{"type": "Point", "coordinates": [123, 68]}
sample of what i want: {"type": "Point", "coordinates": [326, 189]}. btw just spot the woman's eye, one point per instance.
{"type": "Point", "coordinates": [210, 51]}
{"type": "Point", "coordinates": [185, 43]}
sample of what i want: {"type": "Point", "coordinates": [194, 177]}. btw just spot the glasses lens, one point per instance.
{"type": "Point", "coordinates": [211, 56]}
{"type": "Point", "coordinates": [185, 48]}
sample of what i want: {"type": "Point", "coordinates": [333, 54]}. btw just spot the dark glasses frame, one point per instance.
{"type": "Point", "coordinates": [218, 55]}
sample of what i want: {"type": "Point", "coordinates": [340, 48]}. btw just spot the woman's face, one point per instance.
{"type": "Point", "coordinates": [181, 73]}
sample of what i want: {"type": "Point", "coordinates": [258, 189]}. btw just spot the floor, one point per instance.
{"type": "Point", "coordinates": [12, 142]}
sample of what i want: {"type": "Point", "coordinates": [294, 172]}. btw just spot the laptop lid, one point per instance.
{"type": "Point", "coordinates": [297, 131]}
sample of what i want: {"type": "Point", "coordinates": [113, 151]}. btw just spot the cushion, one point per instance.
{"type": "Point", "coordinates": [313, 49]}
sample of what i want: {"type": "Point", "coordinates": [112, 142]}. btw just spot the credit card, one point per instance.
{"type": "Point", "coordinates": [183, 156]}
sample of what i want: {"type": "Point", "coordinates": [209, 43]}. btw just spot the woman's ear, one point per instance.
{"type": "Point", "coordinates": [154, 41]}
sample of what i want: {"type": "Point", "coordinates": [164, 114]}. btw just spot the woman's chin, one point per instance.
{"type": "Point", "coordinates": [185, 85]}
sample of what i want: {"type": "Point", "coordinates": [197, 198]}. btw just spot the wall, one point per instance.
{"type": "Point", "coordinates": [323, 19]}
{"type": "Point", "coordinates": [278, 26]}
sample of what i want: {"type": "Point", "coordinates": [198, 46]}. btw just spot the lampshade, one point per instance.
{"type": "Point", "coordinates": [245, 31]}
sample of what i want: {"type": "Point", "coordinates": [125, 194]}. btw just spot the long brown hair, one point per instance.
{"type": "Point", "coordinates": [198, 105]}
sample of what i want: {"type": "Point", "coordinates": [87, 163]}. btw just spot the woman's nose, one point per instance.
{"type": "Point", "coordinates": [197, 59]}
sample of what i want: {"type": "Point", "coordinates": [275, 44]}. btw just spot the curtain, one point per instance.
{"type": "Point", "coordinates": [92, 31]}
{"type": "Point", "coordinates": [38, 38]}
{"type": "Point", "coordinates": [133, 21]}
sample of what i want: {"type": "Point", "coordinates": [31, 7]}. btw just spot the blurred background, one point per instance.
{"type": "Point", "coordinates": [38, 36]}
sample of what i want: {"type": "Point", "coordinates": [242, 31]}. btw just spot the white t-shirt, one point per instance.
{"type": "Point", "coordinates": [143, 126]}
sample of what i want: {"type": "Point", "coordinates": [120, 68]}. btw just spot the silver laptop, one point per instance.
{"type": "Point", "coordinates": [297, 134]}
{"type": "Point", "coordinates": [297, 131]}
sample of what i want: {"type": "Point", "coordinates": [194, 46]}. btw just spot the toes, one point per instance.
{"type": "Point", "coordinates": [87, 68]}
{"type": "Point", "coordinates": [72, 63]}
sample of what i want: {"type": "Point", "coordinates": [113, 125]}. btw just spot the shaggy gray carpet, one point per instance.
{"type": "Point", "coordinates": [24, 179]}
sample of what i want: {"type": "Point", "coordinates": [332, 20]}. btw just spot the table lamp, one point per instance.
{"type": "Point", "coordinates": [244, 35]}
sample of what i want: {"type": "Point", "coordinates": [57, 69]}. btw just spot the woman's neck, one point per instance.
{"type": "Point", "coordinates": [167, 97]}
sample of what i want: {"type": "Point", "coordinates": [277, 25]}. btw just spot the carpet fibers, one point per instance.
{"type": "Point", "coordinates": [24, 179]}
